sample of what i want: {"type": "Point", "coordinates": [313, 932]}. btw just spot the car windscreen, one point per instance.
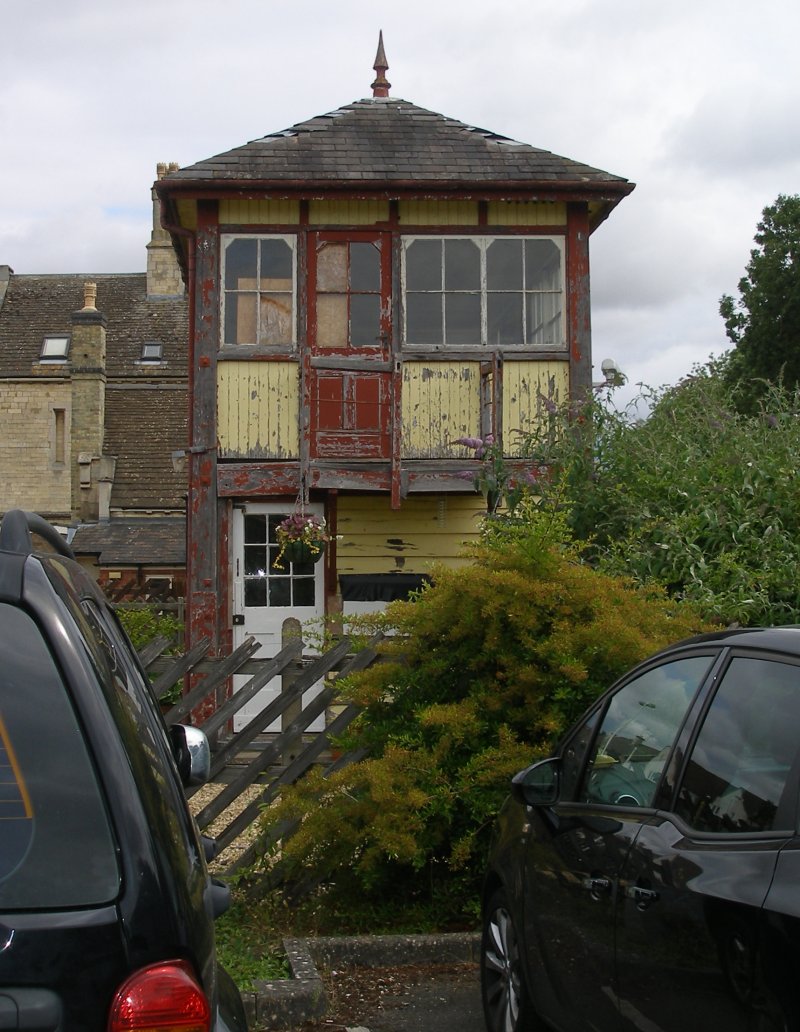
{"type": "Point", "coordinates": [56, 845]}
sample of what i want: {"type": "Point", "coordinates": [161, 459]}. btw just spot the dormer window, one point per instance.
{"type": "Point", "coordinates": [152, 351]}
{"type": "Point", "coordinates": [55, 349]}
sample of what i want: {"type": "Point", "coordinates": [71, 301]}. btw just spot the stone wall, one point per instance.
{"type": "Point", "coordinates": [34, 449]}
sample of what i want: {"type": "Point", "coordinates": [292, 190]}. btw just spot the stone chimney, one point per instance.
{"type": "Point", "coordinates": [5, 278]}
{"type": "Point", "coordinates": [88, 377]}
{"type": "Point", "coordinates": [163, 272]}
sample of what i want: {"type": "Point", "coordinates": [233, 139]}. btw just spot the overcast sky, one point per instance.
{"type": "Point", "coordinates": [696, 101]}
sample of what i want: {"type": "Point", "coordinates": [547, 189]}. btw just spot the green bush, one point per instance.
{"type": "Point", "coordinates": [489, 665]}
{"type": "Point", "coordinates": [698, 497]}
{"type": "Point", "coordinates": [145, 624]}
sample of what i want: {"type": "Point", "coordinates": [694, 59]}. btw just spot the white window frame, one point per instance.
{"type": "Point", "coordinates": [152, 352]}
{"type": "Point", "coordinates": [482, 242]}
{"type": "Point", "coordinates": [226, 240]}
{"type": "Point", "coordinates": [55, 348]}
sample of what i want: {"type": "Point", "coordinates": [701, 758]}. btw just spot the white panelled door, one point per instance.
{"type": "Point", "coordinates": [265, 594]}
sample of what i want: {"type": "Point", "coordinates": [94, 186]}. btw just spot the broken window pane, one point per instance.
{"type": "Point", "coordinates": [276, 319]}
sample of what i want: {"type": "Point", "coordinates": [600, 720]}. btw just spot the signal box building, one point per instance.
{"type": "Point", "coordinates": [365, 289]}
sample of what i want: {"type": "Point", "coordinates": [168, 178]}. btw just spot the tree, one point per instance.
{"type": "Point", "coordinates": [764, 323]}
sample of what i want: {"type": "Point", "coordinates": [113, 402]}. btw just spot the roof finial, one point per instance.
{"type": "Point", "coordinates": [381, 86]}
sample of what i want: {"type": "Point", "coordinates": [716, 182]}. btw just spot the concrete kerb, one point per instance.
{"type": "Point", "coordinates": [292, 1001]}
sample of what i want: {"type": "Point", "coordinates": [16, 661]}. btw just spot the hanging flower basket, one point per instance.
{"type": "Point", "coordinates": [302, 538]}
{"type": "Point", "coordinates": [302, 552]}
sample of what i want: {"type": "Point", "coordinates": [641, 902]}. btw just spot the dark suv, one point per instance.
{"type": "Point", "coordinates": [106, 904]}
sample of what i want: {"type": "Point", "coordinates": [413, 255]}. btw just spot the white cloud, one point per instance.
{"type": "Point", "coordinates": [695, 102]}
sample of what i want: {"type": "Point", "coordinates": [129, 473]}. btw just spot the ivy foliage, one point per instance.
{"type": "Point", "coordinates": [702, 497]}
{"type": "Point", "coordinates": [487, 666]}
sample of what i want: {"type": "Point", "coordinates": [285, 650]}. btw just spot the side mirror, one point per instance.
{"type": "Point", "coordinates": [538, 785]}
{"type": "Point", "coordinates": [192, 754]}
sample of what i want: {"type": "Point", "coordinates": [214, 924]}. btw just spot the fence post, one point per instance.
{"type": "Point", "coordinates": [291, 630]}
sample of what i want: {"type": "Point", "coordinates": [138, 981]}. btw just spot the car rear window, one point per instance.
{"type": "Point", "coordinates": [56, 845]}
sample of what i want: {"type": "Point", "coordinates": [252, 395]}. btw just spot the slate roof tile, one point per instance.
{"type": "Point", "coordinates": [380, 140]}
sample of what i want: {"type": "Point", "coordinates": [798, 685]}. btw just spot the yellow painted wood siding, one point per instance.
{"type": "Point", "coordinates": [347, 213]}
{"type": "Point", "coordinates": [438, 213]}
{"type": "Point", "coordinates": [236, 212]}
{"type": "Point", "coordinates": [258, 409]}
{"type": "Point", "coordinates": [524, 384]}
{"type": "Point", "coordinates": [526, 213]}
{"type": "Point", "coordinates": [441, 402]}
{"type": "Point", "coordinates": [374, 538]}
{"type": "Point", "coordinates": [187, 214]}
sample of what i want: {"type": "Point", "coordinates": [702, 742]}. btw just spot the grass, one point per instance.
{"type": "Point", "coordinates": [248, 946]}
{"type": "Point", "coordinates": [250, 934]}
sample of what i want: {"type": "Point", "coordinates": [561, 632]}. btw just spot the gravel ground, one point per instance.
{"type": "Point", "coordinates": [202, 798]}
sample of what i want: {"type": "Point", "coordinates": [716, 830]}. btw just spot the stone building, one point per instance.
{"type": "Point", "coordinates": [93, 402]}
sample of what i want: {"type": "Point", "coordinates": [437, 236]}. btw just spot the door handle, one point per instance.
{"type": "Point", "coordinates": [640, 896]}
{"type": "Point", "coordinates": [597, 886]}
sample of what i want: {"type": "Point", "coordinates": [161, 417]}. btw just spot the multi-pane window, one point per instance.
{"type": "Point", "coordinates": [499, 292]}
{"type": "Point", "coordinates": [268, 580]}
{"type": "Point", "coordinates": [259, 291]}
{"type": "Point", "coordinates": [348, 294]}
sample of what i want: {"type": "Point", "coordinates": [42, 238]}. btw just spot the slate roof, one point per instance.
{"type": "Point", "coordinates": [386, 140]}
{"type": "Point", "coordinates": [40, 306]}
{"type": "Point", "coordinates": [144, 425]}
{"type": "Point", "coordinates": [156, 541]}
{"type": "Point", "coordinates": [146, 403]}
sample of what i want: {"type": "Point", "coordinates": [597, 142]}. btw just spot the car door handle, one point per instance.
{"type": "Point", "coordinates": [597, 886]}
{"type": "Point", "coordinates": [641, 897]}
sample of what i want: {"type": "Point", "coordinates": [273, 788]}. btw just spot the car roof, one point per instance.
{"type": "Point", "coordinates": [782, 639]}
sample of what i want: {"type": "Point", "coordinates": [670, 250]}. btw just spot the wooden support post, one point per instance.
{"type": "Point", "coordinates": [291, 631]}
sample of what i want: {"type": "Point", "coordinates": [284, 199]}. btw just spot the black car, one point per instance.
{"type": "Point", "coordinates": [647, 876]}
{"type": "Point", "coordinates": [106, 905]}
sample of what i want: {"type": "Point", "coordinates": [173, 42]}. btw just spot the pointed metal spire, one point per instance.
{"type": "Point", "coordinates": [381, 86]}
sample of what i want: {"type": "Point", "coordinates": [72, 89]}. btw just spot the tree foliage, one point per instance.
{"type": "Point", "coordinates": [699, 497]}
{"type": "Point", "coordinates": [488, 665]}
{"type": "Point", "coordinates": [764, 322]}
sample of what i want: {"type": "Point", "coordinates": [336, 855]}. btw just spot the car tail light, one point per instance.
{"type": "Point", "coordinates": [161, 998]}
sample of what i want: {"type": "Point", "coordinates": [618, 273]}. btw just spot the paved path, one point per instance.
{"type": "Point", "coordinates": [444, 1003]}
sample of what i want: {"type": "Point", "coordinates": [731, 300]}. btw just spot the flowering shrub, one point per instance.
{"type": "Point", "coordinates": [495, 479]}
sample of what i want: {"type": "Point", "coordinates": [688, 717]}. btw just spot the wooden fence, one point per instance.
{"type": "Point", "coordinates": [252, 765]}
